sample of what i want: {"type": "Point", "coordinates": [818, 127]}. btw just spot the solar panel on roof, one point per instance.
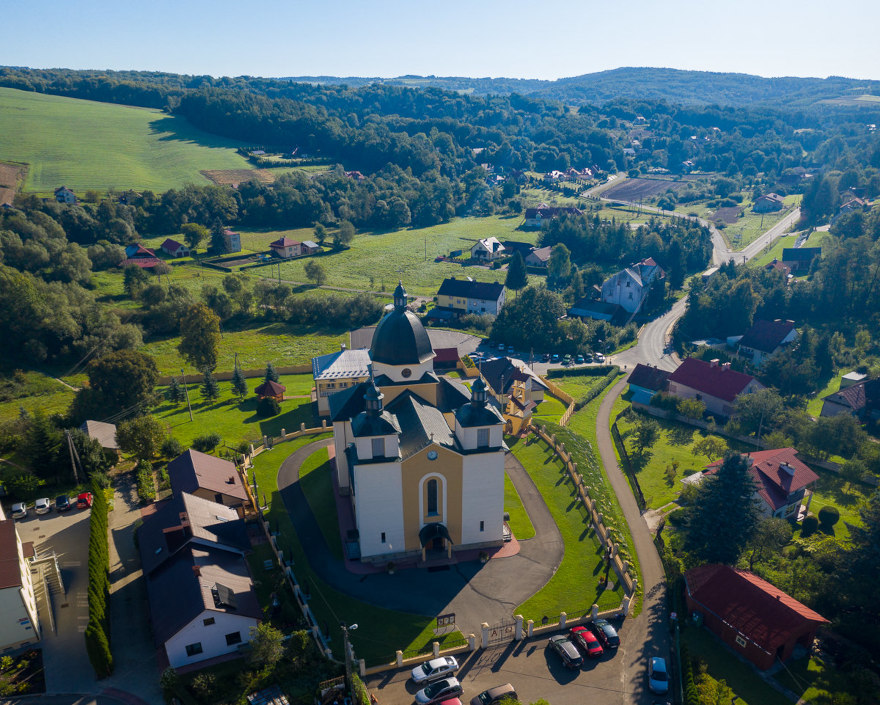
{"type": "Point", "coordinates": [223, 596]}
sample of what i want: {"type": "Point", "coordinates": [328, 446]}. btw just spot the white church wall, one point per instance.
{"type": "Point", "coordinates": [482, 498]}
{"type": "Point", "coordinates": [379, 508]}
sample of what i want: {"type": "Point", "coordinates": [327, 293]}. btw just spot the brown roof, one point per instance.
{"type": "Point", "coordinates": [193, 470]}
{"type": "Point", "coordinates": [647, 377]}
{"type": "Point", "coordinates": [284, 242]}
{"type": "Point", "coordinates": [774, 482]}
{"type": "Point", "coordinates": [104, 433]}
{"type": "Point", "coordinates": [859, 396]}
{"type": "Point", "coordinates": [766, 336]}
{"type": "Point", "coordinates": [10, 570]}
{"type": "Point", "coordinates": [716, 381]}
{"type": "Point", "coordinates": [270, 389]}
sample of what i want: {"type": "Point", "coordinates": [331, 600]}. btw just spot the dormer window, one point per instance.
{"type": "Point", "coordinates": [378, 447]}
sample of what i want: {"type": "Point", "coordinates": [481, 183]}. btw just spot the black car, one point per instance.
{"type": "Point", "coordinates": [605, 633]}
{"type": "Point", "coordinates": [62, 503]}
{"type": "Point", "coordinates": [566, 650]}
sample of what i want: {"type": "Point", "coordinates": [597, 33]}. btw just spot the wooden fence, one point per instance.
{"type": "Point", "coordinates": [563, 396]}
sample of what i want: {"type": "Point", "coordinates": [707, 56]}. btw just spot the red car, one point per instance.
{"type": "Point", "coordinates": [588, 642]}
{"type": "Point", "coordinates": [84, 500]}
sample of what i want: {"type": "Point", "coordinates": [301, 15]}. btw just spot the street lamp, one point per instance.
{"type": "Point", "coordinates": [347, 646]}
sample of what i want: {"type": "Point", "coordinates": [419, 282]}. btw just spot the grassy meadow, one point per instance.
{"type": "Point", "coordinates": [84, 144]}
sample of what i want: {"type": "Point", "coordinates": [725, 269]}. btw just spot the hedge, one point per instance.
{"type": "Point", "coordinates": [97, 635]}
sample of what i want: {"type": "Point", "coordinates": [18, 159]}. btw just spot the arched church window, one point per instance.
{"type": "Point", "coordinates": [432, 497]}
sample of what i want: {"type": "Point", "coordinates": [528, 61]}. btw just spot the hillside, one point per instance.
{"type": "Point", "coordinates": [672, 85]}
{"type": "Point", "coordinates": [84, 144]}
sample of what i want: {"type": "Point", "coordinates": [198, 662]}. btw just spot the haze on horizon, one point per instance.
{"type": "Point", "coordinates": [386, 38]}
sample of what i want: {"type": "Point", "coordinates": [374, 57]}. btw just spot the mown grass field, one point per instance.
{"type": "Point", "coordinates": [775, 251]}
{"type": "Point", "coordinates": [85, 144]}
{"type": "Point", "coordinates": [519, 522]}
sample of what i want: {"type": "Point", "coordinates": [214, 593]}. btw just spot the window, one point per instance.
{"type": "Point", "coordinates": [383, 537]}
{"type": "Point", "coordinates": [208, 622]}
{"type": "Point", "coordinates": [234, 638]}
{"type": "Point", "coordinates": [378, 447]}
{"type": "Point", "coordinates": [194, 649]}
{"type": "Point", "coordinates": [482, 525]}
{"type": "Point", "coordinates": [432, 497]}
{"type": "Point", "coordinates": [740, 641]}
{"type": "Point", "coordinates": [482, 437]}
{"type": "Point", "coordinates": [218, 498]}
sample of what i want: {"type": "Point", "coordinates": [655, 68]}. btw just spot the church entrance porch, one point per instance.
{"type": "Point", "coordinates": [435, 542]}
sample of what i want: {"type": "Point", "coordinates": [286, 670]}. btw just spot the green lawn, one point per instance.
{"type": "Point", "coordinates": [832, 491]}
{"type": "Point", "coordinates": [578, 386]}
{"type": "Point", "coordinates": [237, 421]}
{"type": "Point", "coordinates": [775, 252]}
{"type": "Point", "coordinates": [751, 225]}
{"type": "Point", "coordinates": [317, 485]}
{"type": "Point", "coordinates": [818, 238]}
{"type": "Point", "coordinates": [814, 406]}
{"type": "Point", "coordinates": [574, 586]}
{"type": "Point", "coordinates": [85, 144]}
{"type": "Point", "coordinates": [519, 522]}
{"type": "Point", "coordinates": [31, 390]}
{"type": "Point", "coordinates": [551, 409]}
{"type": "Point", "coordinates": [381, 631]}
{"type": "Point", "coordinates": [811, 679]}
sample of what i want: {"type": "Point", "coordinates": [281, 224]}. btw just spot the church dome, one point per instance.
{"type": "Point", "coordinates": [400, 337]}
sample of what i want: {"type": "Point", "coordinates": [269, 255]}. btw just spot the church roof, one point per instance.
{"type": "Point", "coordinates": [471, 415]}
{"type": "Point", "coordinates": [348, 403]}
{"type": "Point", "coordinates": [401, 339]}
{"type": "Point", "coordinates": [420, 424]}
{"type": "Point", "coordinates": [365, 424]}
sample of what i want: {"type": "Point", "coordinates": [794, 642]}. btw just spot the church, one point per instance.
{"type": "Point", "coordinates": [420, 456]}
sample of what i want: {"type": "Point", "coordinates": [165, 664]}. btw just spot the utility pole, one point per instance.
{"type": "Point", "coordinates": [347, 646]}
{"type": "Point", "coordinates": [72, 450]}
{"type": "Point", "coordinates": [186, 391]}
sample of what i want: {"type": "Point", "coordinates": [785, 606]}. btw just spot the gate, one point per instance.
{"type": "Point", "coordinates": [502, 633]}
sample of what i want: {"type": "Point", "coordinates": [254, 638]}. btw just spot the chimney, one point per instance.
{"type": "Point", "coordinates": [197, 571]}
{"type": "Point", "coordinates": [788, 468]}
{"type": "Point", "coordinates": [184, 519]}
{"type": "Point", "coordinates": [725, 366]}
{"type": "Point", "coordinates": [342, 347]}
{"type": "Point", "coordinates": [714, 363]}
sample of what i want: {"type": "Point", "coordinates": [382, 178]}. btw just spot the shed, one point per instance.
{"type": "Point", "coordinates": [271, 389]}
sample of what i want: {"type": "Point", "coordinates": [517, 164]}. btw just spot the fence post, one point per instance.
{"type": "Point", "coordinates": [398, 655]}
{"type": "Point", "coordinates": [472, 642]}
{"type": "Point", "coordinates": [435, 647]}
{"type": "Point", "coordinates": [530, 628]}
{"type": "Point", "coordinates": [485, 636]}
{"type": "Point", "coordinates": [518, 634]}
{"type": "Point", "coordinates": [594, 612]}
{"type": "Point", "coordinates": [362, 667]}
{"type": "Point", "coordinates": [562, 618]}
{"type": "Point", "coordinates": [624, 605]}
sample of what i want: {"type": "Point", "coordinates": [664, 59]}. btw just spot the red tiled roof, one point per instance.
{"type": "Point", "coordinates": [775, 484]}
{"type": "Point", "coordinates": [142, 262]}
{"type": "Point", "coordinates": [755, 608]}
{"type": "Point", "coordinates": [717, 382]}
{"type": "Point", "coordinates": [170, 244]}
{"type": "Point", "coordinates": [766, 336]}
{"type": "Point", "coordinates": [192, 470]}
{"type": "Point", "coordinates": [284, 242]}
{"type": "Point", "coordinates": [859, 396]}
{"type": "Point", "coordinates": [10, 569]}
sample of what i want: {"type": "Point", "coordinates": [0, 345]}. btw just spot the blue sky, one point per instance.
{"type": "Point", "coordinates": [540, 39]}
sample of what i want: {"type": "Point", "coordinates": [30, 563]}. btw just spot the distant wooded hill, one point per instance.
{"type": "Point", "coordinates": [672, 85]}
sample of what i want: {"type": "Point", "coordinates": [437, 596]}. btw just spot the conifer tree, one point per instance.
{"type": "Point", "coordinates": [271, 374]}
{"type": "Point", "coordinates": [174, 393]}
{"type": "Point", "coordinates": [239, 384]}
{"type": "Point", "coordinates": [517, 278]}
{"type": "Point", "coordinates": [210, 389]}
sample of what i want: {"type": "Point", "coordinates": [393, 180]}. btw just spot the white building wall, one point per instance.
{"type": "Point", "coordinates": [482, 498]}
{"type": "Point", "coordinates": [490, 306]}
{"type": "Point", "coordinates": [212, 637]}
{"type": "Point", "coordinates": [365, 447]}
{"type": "Point", "coordinates": [16, 626]}
{"type": "Point", "coordinates": [395, 372]}
{"type": "Point", "coordinates": [468, 436]}
{"type": "Point", "coordinates": [341, 438]}
{"type": "Point", "coordinates": [379, 508]}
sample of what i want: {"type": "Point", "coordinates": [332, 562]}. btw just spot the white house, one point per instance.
{"type": "Point", "coordinates": [716, 385]}
{"type": "Point", "coordinates": [487, 249]}
{"type": "Point", "coordinates": [629, 287]}
{"type": "Point", "coordinates": [285, 247]}
{"type": "Point", "coordinates": [468, 296]}
{"type": "Point", "coordinates": [765, 339]}
{"type": "Point", "coordinates": [64, 195]}
{"type": "Point", "coordinates": [19, 620]}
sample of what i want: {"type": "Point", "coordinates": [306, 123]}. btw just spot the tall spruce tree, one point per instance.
{"type": "Point", "coordinates": [271, 374]}
{"type": "Point", "coordinates": [517, 278]}
{"type": "Point", "coordinates": [174, 393]}
{"type": "Point", "coordinates": [210, 389]}
{"type": "Point", "coordinates": [239, 384]}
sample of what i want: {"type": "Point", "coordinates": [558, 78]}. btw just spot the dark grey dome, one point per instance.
{"type": "Point", "coordinates": [401, 339]}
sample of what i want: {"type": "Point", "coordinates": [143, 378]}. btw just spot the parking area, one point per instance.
{"type": "Point", "coordinates": [536, 672]}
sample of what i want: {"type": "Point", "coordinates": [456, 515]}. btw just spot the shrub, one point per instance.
{"type": "Point", "coordinates": [101, 479]}
{"type": "Point", "coordinates": [267, 406]}
{"type": "Point", "coordinates": [97, 635]}
{"type": "Point", "coordinates": [208, 442]}
{"type": "Point", "coordinates": [828, 516]}
{"type": "Point", "coordinates": [171, 447]}
{"type": "Point", "coordinates": [164, 480]}
{"type": "Point", "coordinates": [809, 526]}
{"type": "Point", "coordinates": [146, 484]}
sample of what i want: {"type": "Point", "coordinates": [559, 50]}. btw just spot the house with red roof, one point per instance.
{"type": "Point", "coordinates": [139, 256]}
{"type": "Point", "coordinates": [285, 247]}
{"type": "Point", "coordinates": [753, 617]}
{"type": "Point", "coordinates": [714, 384]}
{"type": "Point", "coordinates": [765, 339]}
{"type": "Point", "coordinates": [782, 481]}
{"type": "Point", "coordinates": [207, 477]}
{"type": "Point", "coordinates": [174, 248]}
{"type": "Point", "coordinates": [861, 399]}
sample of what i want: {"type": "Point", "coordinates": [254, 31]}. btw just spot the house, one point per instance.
{"type": "Point", "coordinates": [446, 358]}
{"type": "Point", "coordinates": [716, 385]}
{"type": "Point", "coordinates": [645, 381]}
{"type": "Point", "coordinates": [753, 617]}
{"type": "Point", "coordinates": [487, 249]}
{"type": "Point", "coordinates": [19, 619]}
{"type": "Point", "coordinates": [64, 195]}
{"type": "Point", "coordinates": [799, 259]}
{"type": "Point", "coordinates": [207, 477]}
{"type": "Point", "coordinates": [337, 371]}
{"type": "Point", "coordinates": [503, 373]}
{"type": "Point", "coordinates": [104, 433]}
{"type": "Point", "coordinates": [629, 287]}
{"type": "Point", "coordinates": [782, 481]}
{"type": "Point", "coordinates": [539, 257]}
{"type": "Point", "coordinates": [511, 247]}
{"type": "Point", "coordinates": [271, 390]}
{"type": "Point", "coordinates": [597, 310]}
{"type": "Point", "coordinates": [356, 175]}
{"type": "Point", "coordinates": [139, 256]}
{"type": "Point", "coordinates": [285, 248]}
{"type": "Point", "coordinates": [854, 205]}
{"type": "Point", "coordinates": [861, 399]}
{"type": "Point", "coordinates": [536, 217]}
{"type": "Point", "coordinates": [469, 296]}
{"type": "Point", "coordinates": [174, 248]}
{"type": "Point", "coordinates": [420, 457]}
{"type": "Point", "coordinates": [554, 175]}
{"type": "Point", "coordinates": [777, 266]}
{"type": "Point", "coordinates": [765, 339]}
{"type": "Point", "coordinates": [768, 203]}
{"type": "Point", "coordinates": [199, 588]}
{"type": "Point", "coordinates": [231, 241]}
{"type": "Point", "coordinates": [307, 247]}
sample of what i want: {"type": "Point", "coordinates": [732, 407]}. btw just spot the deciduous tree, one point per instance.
{"type": "Point", "coordinates": [141, 437]}
{"type": "Point", "coordinates": [315, 273]}
{"type": "Point", "coordinates": [194, 234]}
{"type": "Point", "coordinates": [200, 337]}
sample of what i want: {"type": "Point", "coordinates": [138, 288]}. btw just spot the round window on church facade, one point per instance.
{"type": "Point", "coordinates": [406, 372]}
{"type": "Point", "coordinates": [432, 455]}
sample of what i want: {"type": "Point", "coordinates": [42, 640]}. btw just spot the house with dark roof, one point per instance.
{"type": "Point", "coordinates": [645, 381]}
{"type": "Point", "coordinates": [285, 247]}
{"type": "Point", "coordinates": [753, 617]}
{"type": "Point", "coordinates": [487, 249]}
{"type": "Point", "coordinates": [208, 477]}
{"type": "Point", "coordinates": [502, 374]}
{"type": "Point", "coordinates": [629, 287]}
{"type": "Point", "coordinates": [768, 203]}
{"type": "Point", "coordinates": [512, 247]}
{"type": "Point", "coordinates": [174, 248]}
{"type": "Point", "coordinates": [588, 307]}
{"type": "Point", "coordinates": [861, 399]}
{"type": "Point", "coordinates": [64, 195]}
{"type": "Point", "coordinates": [19, 618]}
{"type": "Point", "coordinates": [537, 216]}
{"type": "Point", "coordinates": [714, 384]}
{"type": "Point", "coordinates": [782, 481]}
{"type": "Point", "coordinates": [469, 296]}
{"type": "Point", "coordinates": [799, 259]}
{"type": "Point", "coordinates": [199, 588]}
{"type": "Point", "coordinates": [539, 257]}
{"type": "Point", "coordinates": [765, 339]}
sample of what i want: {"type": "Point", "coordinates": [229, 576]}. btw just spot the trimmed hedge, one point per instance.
{"type": "Point", "coordinates": [97, 635]}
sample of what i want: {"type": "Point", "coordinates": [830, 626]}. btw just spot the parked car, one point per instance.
{"type": "Point", "coordinates": [566, 650]}
{"type": "Point", "coordinates": [588, 642]}
{"type": "Point", "coordinates": [501, 347]}
{"type": "Point", "coordinates": [579, 359]}
{"type": "Point", "coordinates": [555, 357]}
{"type": "Point", "coordinates": [588, 358]}
{"type": "Point", "coordinates": [658, 677]}
{"type": "Point", "coordinates": [599, 357]}
{"type": "Point", "coordinates": [494, 695]}
{"type": "Point", "coordinates": [43, 505]}
{"type": "Point", "coordinates": [84, 500]}
{"type": "Point", "coordinates": [545, 357]}
{"type": "Point", "coordinates": [19, 510]}
{"type": "Point", "coordinates": [62, 503]}
{"type": "Point", "coordinates": [439, 691]}
{"type": "Point", "coordinates": [451, 701]}
{"type": "Point", "coordinates": [566, 360]}
{"type": "Point", "coordinates": [606, 634]}
{"type": "Point", "coordinates": [434, 669]}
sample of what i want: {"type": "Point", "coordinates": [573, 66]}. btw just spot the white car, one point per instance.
{"type": "Point", "coordinates": [433, 669]}
{"type": "Point", "coordinates": [43, 505]}
{"type": "Point", "coordinates": [438, 691]}
{"type": "Point", "coordinates": [19, 510]}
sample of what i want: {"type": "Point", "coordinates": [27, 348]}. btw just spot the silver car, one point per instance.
{"type": "Point", "coordinates": [43, 505]}
{"type": "Point", "coordinates": [19, 510]}
{"type": "Point", "coordinates": [434, 669]}
{"type": "Point", "coordinates": [439, 690]}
